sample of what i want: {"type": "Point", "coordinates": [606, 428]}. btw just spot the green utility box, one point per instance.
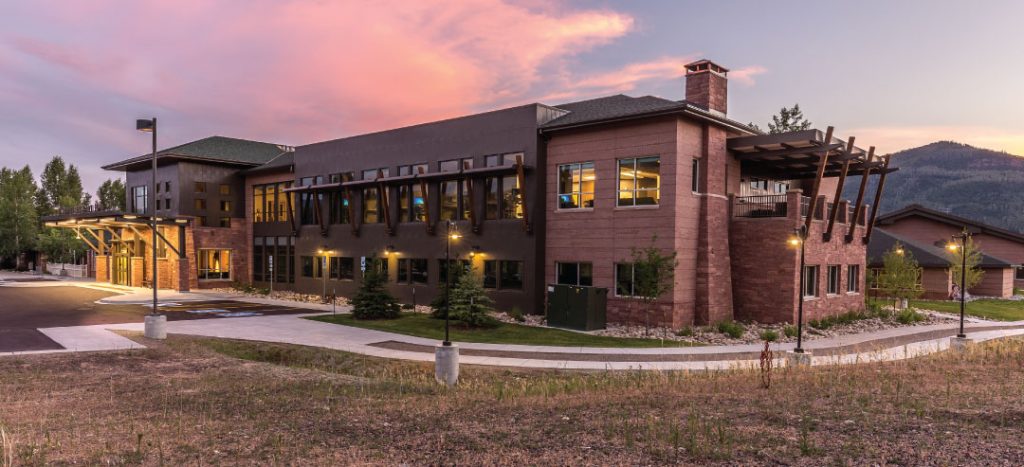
{"type": "Point", "coordinates": [577, 307]}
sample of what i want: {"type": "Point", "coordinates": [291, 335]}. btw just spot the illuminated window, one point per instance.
{"type": "Point", "coordinates": [576, 185]}
{"type": "Point", "coordinates": [639, 181]}
{"type": "Point", "coordinates": [214, 264]}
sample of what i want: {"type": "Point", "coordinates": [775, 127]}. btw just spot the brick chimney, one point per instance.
{"type": "Point", "coordinates": [707, 86]}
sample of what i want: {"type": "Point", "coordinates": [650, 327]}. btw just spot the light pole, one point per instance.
{"type": "Point", "coordinates": [952, 246]}
{"type": "Point", "coordinates": [799, 238]}
{"type": "Point", "coordinates": [446, 355]}
{"type": "Point", "coordinates": [452, 233]}
{"type": "Point", "coordinates": [155, 323]}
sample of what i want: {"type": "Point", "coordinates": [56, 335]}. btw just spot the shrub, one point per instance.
{"type": "Point", "coordinates": [908, 316]}
{"type": "Point", "coordinates": [372, 301]}
{"type": "Point", "coordinates": [517, 314]}
{"type": "Point", "coordinates": [685, 331]}
{"type": "Point", "coordinates": [408, 306]}
{"type": "Point", "coordinates": [789, 330]}
{"type": "Point", "coordinates": [769, 335]}
{"type": "Point", "coordinates": [732, 329]}
{"type": "Point", "coordinates": [438, 303]}
{"type": "Point", "coordinates": [470, 303]}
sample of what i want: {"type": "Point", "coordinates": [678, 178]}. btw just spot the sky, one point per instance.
{"type": "Point", "coordinates": [896, 74]}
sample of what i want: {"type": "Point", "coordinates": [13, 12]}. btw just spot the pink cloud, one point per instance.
{"type": "Point", "coordinates": [746, 74]}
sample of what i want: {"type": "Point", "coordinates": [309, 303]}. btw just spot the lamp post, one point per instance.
{"type": "Point", "coordinates": [799, 238]}
{"type": "Point", "coordinates": [963, 236]}
{"type": "Point", "coordinates": [452, 233]}
{"type": "Point", "coordinates": [155, 323]}
{"type": "Point", "coordinates": [446, 355]}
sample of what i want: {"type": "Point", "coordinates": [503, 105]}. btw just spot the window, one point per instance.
{"type": "Point", "coordinates": [259, 259]}
{"type": "Point", "coordinates": [491, 196]}
{"type": "Point", "coordinates": [200, 187]}
{"type": "Point", "coordinates": [576, 185]}
{"type": "Point", "coordinates": [283, 200]}
{"type": "Point", "coordinates": [371, 174]}
{"type": "Point", "coordinates": [455, 165]}
{"type": "Point", "coordinates": [140, 199]}
{"type": "Point", "coordinates": [308, 213]}
{"type": "Point", "coordinates": [639, 181]}
{"type": "Point", "coordinates": [490, 274]}
{"type": "Point", "coordinates": [225, 206]}
{"type": "Point", "coordinates": [494, 161]}
{"type": "Point", "coordinates": [412, 271]}
{"type": "Point", "coordinates": [167, 187]}
{"type": "Point", "coordinates": [307, 266]}
{"type": "Point", "coordinates": [214, 264]}
{"type": "Point", "coordinates": [258, 202]}
{"type": "Point", "coordinates": [510, 275]}
{"type": "Point", "coordinates": [449, 200]}
{"type": "Point", "coordinates": [342, 268]}
{"type": "Point", "coordinates": [225, 222]}
{"type": "Point", "coordinates": [414, 169]}
{"type": "Point", "coordinates": [158, 187]}
{"type": "Point", "coordinates": [511, 198]}
{"type": "Point", "coordinates": [225, 189]}
{"type": "Point", "coordinates": [1020, 274]}
{"type": "Point", "coordinates": [624, 283]}
{"type": "Point", "coordinates": [378, 264]}
{"type": "Point", "coordinates": [284, 265]}
{"type": "Point", "coordinates": [833, 280]}
{"type": "Point", "coordinates": [272, 259]}
{"type": "Point", "coordinates": [810, 281]}
{"type": "Point", "coordinates": [695, 176]}
{"type": "Point", "coordinates": [442, 275]}
{"type": "Point", "coordinates": [574, 273]}
{"type": "Point", "coordinates": [853, 278]}
{"type": "Point", "coordinates": [200, 204]}
{"type": "Point", "coordinates": [371, 205]}
{"type": "Point", "coordinates": [780, 187]}
{"type": "Point", "coordinates": [201, 221]}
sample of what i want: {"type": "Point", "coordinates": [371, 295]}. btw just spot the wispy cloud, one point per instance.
{"type": "Point", "coordinates": [746, 74]}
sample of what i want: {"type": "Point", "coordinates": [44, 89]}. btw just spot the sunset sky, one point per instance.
{"type": "Point", "coordinates": [75, 74]}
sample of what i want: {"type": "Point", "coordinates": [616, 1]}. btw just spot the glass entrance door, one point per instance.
{"type": "Point", "coordinates": [121, 270]}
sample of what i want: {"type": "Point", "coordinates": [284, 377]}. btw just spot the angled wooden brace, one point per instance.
{"type": "Point", "coordinates": [878, 200]}
{"type": "Point", "coordinates": [860, 194]}
{"type": "Point", "coordinates": [822, 162]}
{"type": "Point", "coordinates": [521, 178]}
{"type": "Point", "coordinates": [473, 224]}
{"type": "Point", "coordinates": [384, 198]}
{"type": "Point", "coordinates": [426, 202]}
{"type": "Point", "coordinates": [827, 237]}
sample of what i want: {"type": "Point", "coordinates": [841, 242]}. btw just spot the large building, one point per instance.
{"type": "Point", "coordinates": [539, 194]}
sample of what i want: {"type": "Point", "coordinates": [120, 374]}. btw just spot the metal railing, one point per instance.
{"type": "Point", "coordinates": [761, 206]}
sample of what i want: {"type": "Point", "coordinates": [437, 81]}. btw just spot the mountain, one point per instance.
{"type": "Point", "coordinates": [970, 182]}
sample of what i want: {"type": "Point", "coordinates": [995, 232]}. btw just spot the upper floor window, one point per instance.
{"type": "Point", "coordinates": [853, 278]}
{"type": "Point", "coordinates": [576, 185]}
{"type": "Point", "coordinates": [411, 204]}
{"type": "Point", "coordinates": [639, 181]}
{"type": "Point", "coordinates": [454, 165]}
{"type": "Point", "coordinates": [225, 189]}
{"type": "Point", "coordinates": [200, 187]}
{"type": "Point", "coordinates": [270, 203]}
{"type": "Point", "coordinates": [140, 199]}
{"type": "Point", "coordinates": [371, 206]}
{"type": "Point", "coordinates": [499, 160]}
{"type": "Point", "coordinates": [503, 198]}
{"type": "Point", "coordinates": [371, 174]}
{"type": "Point", "coordinates": [414, 169]}
{"type": "Point", "coordinates": [695, 176]}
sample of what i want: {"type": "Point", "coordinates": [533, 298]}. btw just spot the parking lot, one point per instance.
{"type": "Point", "coordinates": [24, 310]}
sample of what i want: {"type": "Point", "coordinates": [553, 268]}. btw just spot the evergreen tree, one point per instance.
{"type": "Point", "coordinates": [437, 305]}
{"type": "Point", "coordinates": [791, 119]}
{"type": "Point", "coordinates": [974, 272]}
{"type": "Point", "coordinates": [372, 300]}
{"type": "Point", "coordinates": [60, 188]}
{"type": "Point", "coordinates": [110, 196]}
{"type": "Point", "coordinates": [470, 303]}
{"type": "Point", "coordinates": [19, 220]}
{"type": "Point", "coordinates": [900, 277]}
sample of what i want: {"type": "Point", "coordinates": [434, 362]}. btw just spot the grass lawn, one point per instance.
{"type": "Point", "coordinates": [1001, 310]}
{"type": "Point", "coordinates": [422, 325]}
{"type": "Point", "coordinates": [196, 401]}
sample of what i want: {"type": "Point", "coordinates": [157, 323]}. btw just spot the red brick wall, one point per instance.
{"type": "Point", "coordinates": [233, 239]}
{"type": "Point", "coordinates": [714, 274]}
{"type": "Point", "coordinates": [996, 282]}
{"type": "Point", "coordinates": [708, 90]}
{"type": "Point", "coordinates": [102, 268]}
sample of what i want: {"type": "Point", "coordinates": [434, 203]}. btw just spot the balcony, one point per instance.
{"type": "Point", "coordinates": [788, 204]}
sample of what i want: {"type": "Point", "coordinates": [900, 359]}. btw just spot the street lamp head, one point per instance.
{"type": "Point", "coordinates": [145, 125]}
{"type": "Point", "coordinates": [952, 246]}
{"type": "Point", "coordinates": [899, 251]}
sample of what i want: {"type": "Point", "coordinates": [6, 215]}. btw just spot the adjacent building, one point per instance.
{"type": "Point", "coordinates": [528, 196]}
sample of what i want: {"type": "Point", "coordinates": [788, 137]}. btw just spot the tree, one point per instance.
{"type": "Point", "coordinates": [437, 305]}
{"type": "Point", "coordinates": [974, 273]}
{"type": "Point", "coordinates": [19, 220]}
{"type": "Point", "coordinates": [791, 119]}
{"type": "Point", "coordinates": [653, 274]}
{"type": "Point", "coordinates": [470, 303]}
{"type": "Point", "coordinates": [110, 196]}
{"type": "Point", "coordinates": [900, 277]}
{"type": "Point", "coordinates": [372, 300]}
{"type": "Point", "coordinates": [60, 188]}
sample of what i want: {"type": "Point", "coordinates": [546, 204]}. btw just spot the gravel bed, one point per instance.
{"type": "Point", "coordinates": [286, 295]}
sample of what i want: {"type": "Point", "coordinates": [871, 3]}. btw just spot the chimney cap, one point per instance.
{"type": "Point", "coordinates": [705, 65]}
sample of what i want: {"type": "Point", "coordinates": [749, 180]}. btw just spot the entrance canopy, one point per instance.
{"type": "Point", "coordinates": [100, 229]}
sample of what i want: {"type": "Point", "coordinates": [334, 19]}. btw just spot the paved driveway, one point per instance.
{"type": "Point", "coordinates": [24, 310]}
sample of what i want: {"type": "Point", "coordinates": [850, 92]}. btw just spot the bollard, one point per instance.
{"type": "Point", "coordinates": [798, 358]}
{"type": "Point", "coordinates": [156, 326]}
{"type": "Point", "coordinates": [446, 364]}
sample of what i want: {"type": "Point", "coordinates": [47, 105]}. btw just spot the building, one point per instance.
{"type": "Point", "coordinates": [928, 230]}
{"type": "Point", "coordinates": [539, 194]}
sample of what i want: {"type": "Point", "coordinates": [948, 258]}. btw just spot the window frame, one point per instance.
{"type": "Point", "coordinates": [204, 273]}
{"type": "Point", "coordinates": [811, 279]}
{"type": "Point", "coordinates": [579, 272]}
{"type": "Point", "coordinates": [632, 280]}
{"type": "Point", "coordinates": [695, 176]}
{"type": "Point", "coordinates": [853, 278]}
{"type": "Point", "coordinates": [834, 282]}
{"type": "Point", "coordinates": [576, 169]}
{"type": "Point", "coordinates": [634, 190]}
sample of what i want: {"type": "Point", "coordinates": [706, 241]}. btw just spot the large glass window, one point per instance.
{"type": "Point", "coordinates": [258, 202]}
{"type": "Point", "coordinates": [853, 278]}
{"type": "Point", "coordinates": [214, 264]}
{"type": "Point", "coordinates": [371, 205]}
{"type": "Point", "coordinates": [412, 270]}
{"type": "Point", "coordinates": [283, 198]}
{"type": "Point", "coordinates": [810, 281]}
{"type": "Point", "coordinates": [510, 275]}
{"type": "Point", "coordinates": [576, 185]}
{"type": "Point", "coordinates": [511, 198]}
{"type": "Point", "coordinates": [259, 259]}
{"type": "Point", "coordinates": [342, 268]}
{"type": "Point", "coordinates": [307, 266]}
{"type": "Point", "coordinates": [639, 181]}
{"type": "Point", "coordinates": [308, 213]}
{"type": "Point", "coordinates": [492, 194]}
{"type": "Point", "coordinates": [449, 200]}
{"type": "Point", "coordinates": [140, 199]}
{"type": "Point", "coordinates": [574, 273]}
{"type": "Point", "coordinates": [624, 280]}
{"type": "Point", "coordinates": [833, 279]}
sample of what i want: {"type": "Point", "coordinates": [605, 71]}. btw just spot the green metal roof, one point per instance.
{"type": "Point", "coordinates": [216, 149]}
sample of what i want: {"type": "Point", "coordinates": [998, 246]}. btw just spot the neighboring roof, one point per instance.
{"type": "Point", "coordinates": [949, 219]}
{"type": "Point", "coordinates": [217, 149]}
{"type": "Point", "coordinates": [927, 256]}
{"type": "Point", "coordinates": [282, 163]}
{"type": "Point", "coordinates": [622, 107]}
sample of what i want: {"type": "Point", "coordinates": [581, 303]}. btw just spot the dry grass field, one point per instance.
{"type": "Point", "coordinates": [196, 401]}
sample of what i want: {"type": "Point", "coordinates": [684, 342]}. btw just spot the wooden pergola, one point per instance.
{"type": "Point", "coordinates": [813, 154]}
{"type": "Point", "coordinates": [99, 229]}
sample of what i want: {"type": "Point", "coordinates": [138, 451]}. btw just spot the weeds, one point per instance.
{"type": "Point", "coordinates": [789, 330]}
{"type": "Point", "coordinates": [732, 329]}
{"type": "Point", "coordinates": [910, 316]}
{"type": "Point", "coordinates": [6, 449]}
{"type": "Point", "coordinates": [685, 331]}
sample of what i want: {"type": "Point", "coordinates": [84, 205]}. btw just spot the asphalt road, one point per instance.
{"type": "Point", "coordinates": [25, 309]}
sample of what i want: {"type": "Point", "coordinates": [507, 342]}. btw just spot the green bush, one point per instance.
{"type": "Point", "coordinates": [372, 300]}
{"type": "Point", "coordinates": [789, 330]}
{"type": "Point", "coordinates": [470, 304]}
{"type": "Point", "coordinates": [909, 316]}
{"type": "Point", "coordinates": [408, 306]}
{"type": "Point", "coordinates": [517, 314]}
{"type": "Point", "coordinates": [1017, 291]}
{"type": "Point", "coordinates": [732, 329]}
{"type": "Point", "coordinates": [769, 335]}
{"type": "Point", "coordinates": [685, 331]}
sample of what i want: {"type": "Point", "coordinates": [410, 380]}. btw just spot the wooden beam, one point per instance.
{"type": "Point", "coordinates": [817, 181]}
{"type": "Point", "coordinates": [521, 179]}
{"type": "Point", "coordinates": [813, 150]}
{"type": "Point", "coordinates": [99, 240]}
{"type": "Point", "coordinates": [878, 200]}
{"type": "Point", "coordinates": [383, 196]}
{"type": "Point", "coordinates": [347, 193]}
{"type": "Point", "coordinates": [290, 207]}
{"type": "Point", "coordinates": [473, 225]}
{"type": "Point", "coordinates": [839, 192]}
{"type": "Point", "coordinates": [92, 245]}
{"type": "Point", "coordinates": [860, 195]}
{"type": "Point", "coordinates": [168, 243]}
{"type": "Point", "coordinates": [424, 190]}
{"type": "Point", "coordinates": [318, 211]}
{"type": "Point", "coordinates": [763, 140]}
{"type": "Point", "coordinates": [120, 239]}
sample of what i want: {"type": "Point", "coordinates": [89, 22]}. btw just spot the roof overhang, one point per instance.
{"type": "Point", "coordinates": [108, 219]}
{"type": "Point", "coordinates": [798, 155]}
{"type": "Point", "coordinates": [685, 109]}
{"type": "Point", "coordinates": [163, 158]}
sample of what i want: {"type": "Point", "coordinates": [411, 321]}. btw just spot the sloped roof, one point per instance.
{"type": "Point", "coordinates": [283, 162]}
{"type": "Point", "coordinates": [218, 149]}
{"type": "Point", "coordinates": [949, 219]}
{"type": "Point", "coordinates": [622, 107]}
{"type": "Point", "coordinates": [927, 256]}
